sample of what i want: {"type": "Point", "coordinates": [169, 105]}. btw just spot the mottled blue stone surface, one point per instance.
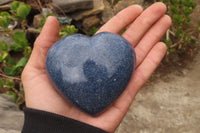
{"type": "Point", "coordinates": [91, 72]}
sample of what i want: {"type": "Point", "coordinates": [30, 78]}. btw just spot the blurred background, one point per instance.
{"type": "Point", "coordinates": [168, 103]}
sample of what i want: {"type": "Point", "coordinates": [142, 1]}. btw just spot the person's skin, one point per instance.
{"type": "Point", "coordinates": [145, 29]}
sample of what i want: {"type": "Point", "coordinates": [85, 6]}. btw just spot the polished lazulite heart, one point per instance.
{"type": "Point", "coordinates": [91, 72]}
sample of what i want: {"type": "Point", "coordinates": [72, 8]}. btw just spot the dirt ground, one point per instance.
{"type": "Point", "coordinates": [11, 118]}
{"type": "Point", "coordinates": [169, 104]}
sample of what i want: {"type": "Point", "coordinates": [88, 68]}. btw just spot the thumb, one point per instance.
{"type": "Point", "coordinates": [48, 36]}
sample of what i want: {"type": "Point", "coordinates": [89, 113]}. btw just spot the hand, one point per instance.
{"type": "Point", "coordinates": [145, 29]}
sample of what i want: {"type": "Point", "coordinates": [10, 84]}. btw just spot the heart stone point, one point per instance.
{"type": "Point", "coordinates": [91, 72]}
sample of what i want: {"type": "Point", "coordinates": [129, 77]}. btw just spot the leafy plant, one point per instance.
{"type": "Point", "coordinates": [68, 30]}
{"type": "Point", "coordinates": [20, 42]}
{"type": "Point", "coordinates": [10, 66]}
{"type": "Point", "coordinates": [199, 26]}
{"type": "Point", "coordinates": [178, 38]}
{"type": "Point", "coordinates": [20, 9]}
{"type": "Point", "coordinates": [92, 31]}
{"type": "Point", "coordinates": [4, 20]}
{"type": "Point", "coordinates": [18, 12]}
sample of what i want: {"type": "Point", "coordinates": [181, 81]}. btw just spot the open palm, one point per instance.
{"type": "Point", "coordinates": [145, 29]}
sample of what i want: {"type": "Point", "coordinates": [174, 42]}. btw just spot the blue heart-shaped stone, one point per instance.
{"type": "Point", "coordinates": [91, 72]}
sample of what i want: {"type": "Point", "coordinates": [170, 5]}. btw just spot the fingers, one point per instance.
{"type": "Point", "coordinates": [141, 75]}
{"type": "Point", "coordinates": [49, 33]}
{"type": "Point", "coordinates": [48, 36]}
{"type": "Point", "coordinates": [144, 22]}
{"type": "Point", "coordinates": [151, 38]}
{"type": "Point", "coordinates": [122, 19]}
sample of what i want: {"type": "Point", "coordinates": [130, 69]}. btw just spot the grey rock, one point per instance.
{"type": "Point", "coordinates": [73, 5]}
{"type": "Point", "coordinates": [91, 22]}
{"type": "Point", "coordinates": [7, 39]}
{"type": "Point", "coordinates": [5, 7]}
{"type": "Point", "coordinates": [11, 119]}
{"type": "Point", "coordinates": [3, 2]}
{"type": "Point", "coordinates": [37, 21]}
{"type": "Point", "coordinates": [9, 131]}
{"type": "Point", "coordinates": [110, 11]}
{"type": "Point", "coordinates": [98, 7]}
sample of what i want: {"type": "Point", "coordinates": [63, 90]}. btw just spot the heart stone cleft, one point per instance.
{"type": "Point", "coordinates": [91, 72]}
